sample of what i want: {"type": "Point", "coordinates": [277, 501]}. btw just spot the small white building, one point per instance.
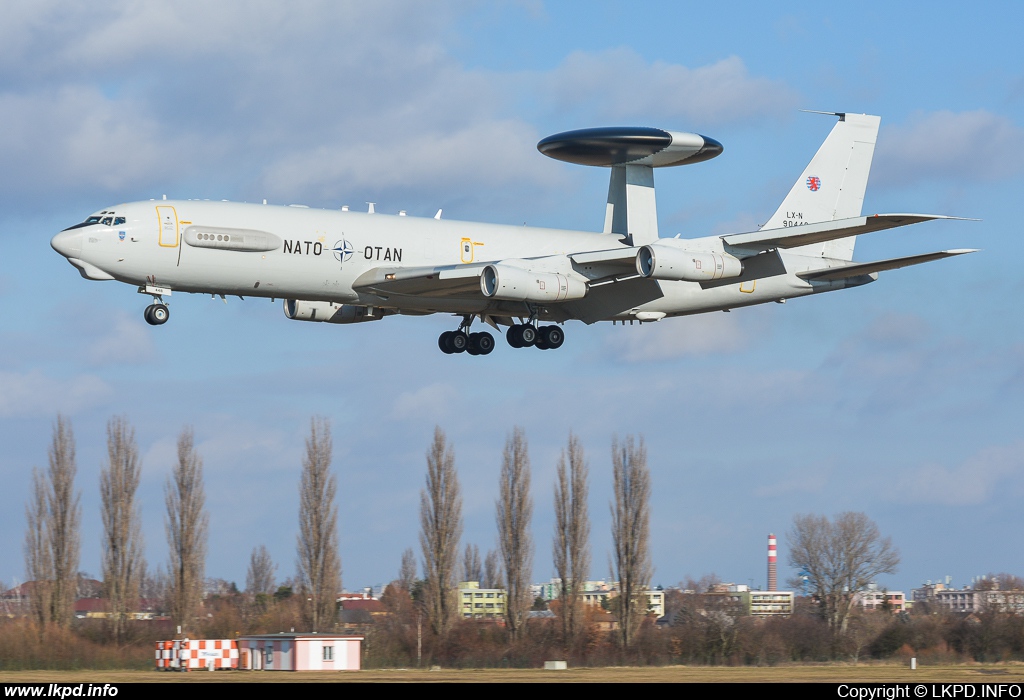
{"type": "Point", "coordinates": [300, 652]}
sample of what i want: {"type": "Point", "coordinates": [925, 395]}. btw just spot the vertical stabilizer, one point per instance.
{"type": "Point", "coordinates": [832, 186]}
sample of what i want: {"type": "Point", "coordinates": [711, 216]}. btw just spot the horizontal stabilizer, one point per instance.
{"type": "Point", "coordinates": [847, 271]}
{"type": "Point", "coordinates": [797, 236]}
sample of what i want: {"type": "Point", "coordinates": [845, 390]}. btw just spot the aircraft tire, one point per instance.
{"type": "Point", "coordinates": [458, 341]}
{"type": "Point", "coordinates": [160, 314]}
{"type": "Point", "coordinates": [553, 337]}
{"type": "Point", "coordinates": [484, 343]}
{"type": "Point", "coordinates": [148, 315]}
{"type": "Point", "coordinates": [442, 342]}
{"type": "Point", "coordinates": [511, 336]}
{"type": "Point", "coordinates": [527, 335]}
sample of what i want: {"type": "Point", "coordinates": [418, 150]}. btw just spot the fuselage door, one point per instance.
{"type": "Point", "coordinates": [168, 226]}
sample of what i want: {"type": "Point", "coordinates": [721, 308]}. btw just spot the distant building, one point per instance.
{"type": "Point", "coordinates": [970, 600]}
{"type": "Point", "coordinates": [477, 603]}
{"type": "Point", "coordinates": [767, 603]}
{"type": "Point", "coordinates": [875, 598]}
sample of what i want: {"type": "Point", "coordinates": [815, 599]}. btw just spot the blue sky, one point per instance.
{"type": "Point", "coordinates": [902, 399]}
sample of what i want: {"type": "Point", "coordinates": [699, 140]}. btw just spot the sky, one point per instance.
{"type": "Point", "coordinates": [901, 399]}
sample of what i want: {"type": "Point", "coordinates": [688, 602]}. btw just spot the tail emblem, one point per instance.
{"type": "Point", "coordinates": [814, 183]}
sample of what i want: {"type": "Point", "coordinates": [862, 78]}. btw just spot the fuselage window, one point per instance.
{"type": "Point", "coordinates": [119, 221]}
{"type": "Point", "coordinates": [107, 221]}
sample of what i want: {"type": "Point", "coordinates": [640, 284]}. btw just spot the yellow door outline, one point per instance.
{"type": "Point", "coordinates": [167, 221]}
{"type": "Point", "coordinates": [466, 250]}
{"type": "Point", "coordinates": [753, 284]}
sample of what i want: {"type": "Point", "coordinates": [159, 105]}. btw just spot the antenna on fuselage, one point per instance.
{"type": "Point", "coordinates": [438, 215]}
{"type": "Point", "coordinates": [370, 210]}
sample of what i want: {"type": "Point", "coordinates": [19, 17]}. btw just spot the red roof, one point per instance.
{"type": "Point", "coordinates": [368, 604]}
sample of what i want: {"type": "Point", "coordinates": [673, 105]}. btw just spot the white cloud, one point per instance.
{"type": "Point", "coordinates": [619, 83]}
{"type": "Point", "coordinates": [487, 153]}
{"type": "Point", "coordinates": [126, 341]}
{"type": "Point", "coordinates": [34, 393]}
{"type": "Point", "coordinates": [944, 145]}
{"type": "Point", "coordinates": [76, 137]}
{"type": "Point", "coordinates": [972, 482]}
{"type": "Point", "coordinates": [431, 400]}
{"type": "Point", "coordinates": [703, 334]}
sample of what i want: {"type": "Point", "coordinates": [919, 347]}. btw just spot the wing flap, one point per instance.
{"type": "Point", "coordinates": [797, 236]}
{"type": "Point", "coordinates": [846, 271]}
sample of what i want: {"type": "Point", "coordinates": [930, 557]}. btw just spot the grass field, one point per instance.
{"type": "Point", "coordinates": [973, 673]}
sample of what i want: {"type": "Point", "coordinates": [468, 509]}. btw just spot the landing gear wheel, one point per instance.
{"type": "Point", "coordinates": [521, 335]}
{"type": "Point", "coordinates": [442, 342]}
{"type": "Point", "coordinates": [458, 341]}
{"type": "Point", "coordinates": [510, 336]}
{"type": "Point", "coordinates": [159, 314]}
{"type": "Point", "coordinates": [480, 344]}
{"type": "Point", "coordinates": [552, 337]}
{"type": "Point", "coordinates": [156, 314]}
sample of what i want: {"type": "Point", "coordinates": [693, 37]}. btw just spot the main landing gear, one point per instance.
{"type": "Point", "coordinates": [524, 335]}
{"type": "Point", "coordinates": [157, 314]}
{"type": "Point", "coordinates": [462, 340]}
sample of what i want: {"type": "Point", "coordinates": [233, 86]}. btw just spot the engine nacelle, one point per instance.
{"type": "Point", "coordinates": [663, 262]}
{"type": "Point", "coordinates": [510, 283]}
{"type": "Point", "coordinates": [330, 312]}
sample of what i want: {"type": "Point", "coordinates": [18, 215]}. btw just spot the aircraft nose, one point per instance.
{"type": "Point", "coordinates": [67, 243]}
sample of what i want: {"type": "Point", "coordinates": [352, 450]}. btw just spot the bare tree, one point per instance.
{"type": "Point", "coordinates": [319, 561]}
{"type": "Point", "coordinates": [441, 528]}
{"type": "Point", "coordinates": [259, 579]}
{"type": "Point", "coordinates": [407, 571]}
{"type": "Point", "coordinates": [472, 570]}
{"type": "Point", "coordinates": [631, 533]}
{"type": "Point", "coordinates": [514, 509]}
{"type": "Point", "coordinates": [572, 536]}
{"type": "Point", "coordinates": [52, 541]}
{"type": "Point", "coordinates": [187, 526]}
{"type": "Point", "coordinates": [64, 515]}
{"type": "Point", "coordinates": [841, 558]}
{"type": "Point", "coordinates": [122, 538]}
{"type": "Point", "coordinates": [38, 558]}
{"type": "Point", "coordinates": [493, 576]}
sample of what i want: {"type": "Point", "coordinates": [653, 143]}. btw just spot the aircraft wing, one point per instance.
{"type": "Point", "coordinates": [855, 270]}
{"type": "Point", "coordinates": [464, 280]}
{"type": "Point", "coordinates": [443, 281]}
{"type": "Point", "coordinates": [744, 244]}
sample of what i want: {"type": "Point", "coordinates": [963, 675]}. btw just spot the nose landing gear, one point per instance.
{"type": "Point", "coordinates": [156, 314]}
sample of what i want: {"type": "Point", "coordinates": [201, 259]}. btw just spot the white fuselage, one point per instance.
{"type": "Point", "coordinates": [316, 255]}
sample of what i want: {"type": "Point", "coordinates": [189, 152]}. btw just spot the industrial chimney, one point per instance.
{"type": "Point", "coordinates": [773, 583]}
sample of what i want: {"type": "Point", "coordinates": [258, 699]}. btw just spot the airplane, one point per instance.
{"type": "Point", "coordinates": [342, 266]}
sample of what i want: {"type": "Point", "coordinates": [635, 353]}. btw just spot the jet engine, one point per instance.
{"type": "Point", "coordinates": [330, 312]}
{"type": "Point", "coordinates": [510, 283]}
{"type": "Point", "coordinates": [663, 262]}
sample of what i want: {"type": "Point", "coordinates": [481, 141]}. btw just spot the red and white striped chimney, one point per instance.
{"type": "Point", "coordinates": [773, 582]}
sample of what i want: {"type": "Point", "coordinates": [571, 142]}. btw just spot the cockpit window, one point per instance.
{"type": "Point", "coordinates": [104, 218]}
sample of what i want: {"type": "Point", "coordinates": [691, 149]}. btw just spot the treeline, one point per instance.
{"type": "Point", "coordinates": [420, 619]}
